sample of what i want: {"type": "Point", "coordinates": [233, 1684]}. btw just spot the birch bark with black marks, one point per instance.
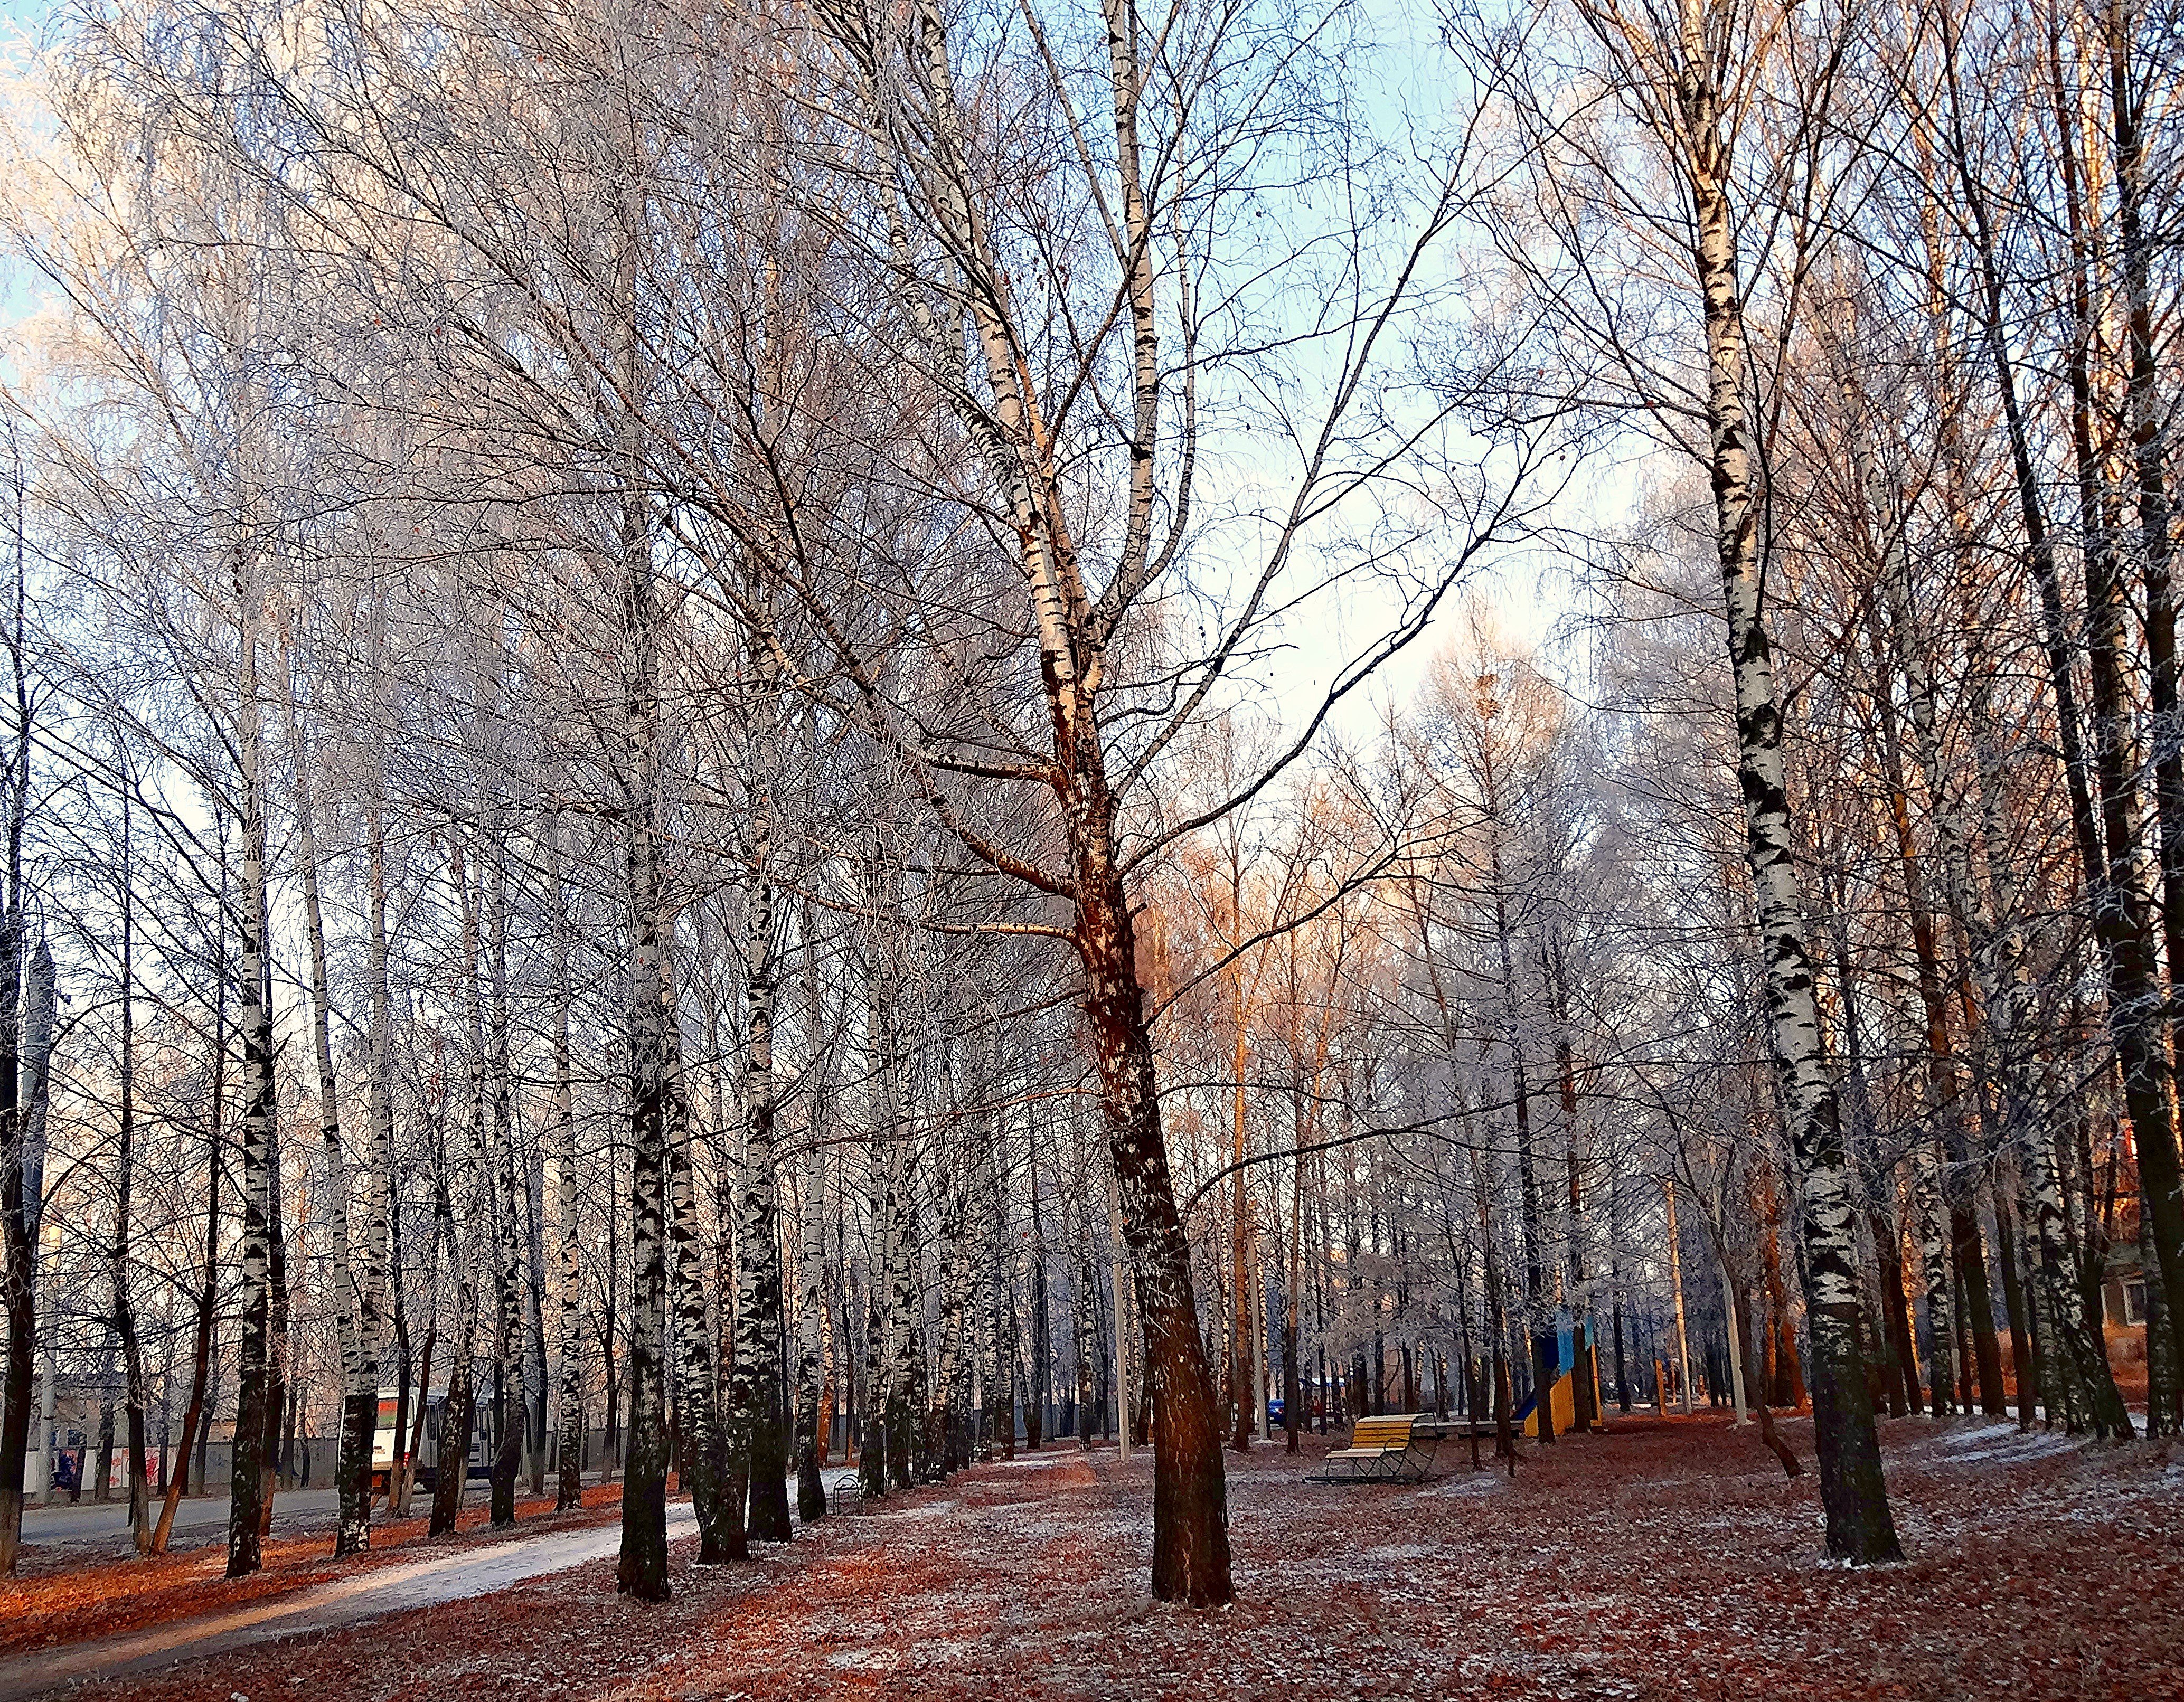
{"type": "Point", "coordinates": [353, 1332]}
{"type": "Point", "coordinates": [811, 1319]}
{"type": "Point", "coordinates": [642, 1570]}
{"type": "Point", "coordinates": [507, 1197]}
{"type": "Point", "coordinates": [755, 1402]}
{"type": "Point", "coordinates": [124, 1159]}
{"type": "Point", "coordinates": [905, 1303]}
{"type": "Point", "coordinates": [380, 1312]}
{"type": "Point", "coordinates": [1859, 1525]}
{"type": "Point", "coordinates": [569, 1490]}
{"type": "Point", "coordinates": [196, 1414]}
{"type": "Point", "coordinates": [18, 1243]}
{"type": "Point", "coordinates": [256, 1376]}
{"type": "Point", "coordinates": [714, 1477]}
{"type": "Point", "coordinates": [473, 1239]}
{"type": "Point", "coordinates": [1190, 1560]}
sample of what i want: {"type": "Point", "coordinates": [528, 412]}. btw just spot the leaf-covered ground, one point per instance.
{"type": "Point", "coordinates": [1660, 1559]}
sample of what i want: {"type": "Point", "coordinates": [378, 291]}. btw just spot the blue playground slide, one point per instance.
{"type": "Point", "coordinates": [1565, 1359]}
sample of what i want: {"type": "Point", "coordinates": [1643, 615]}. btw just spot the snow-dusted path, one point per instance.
{"type": "Point", "coordinates": [101, 1528]}
{"type": "Point", "coordinates": [399, 1588]}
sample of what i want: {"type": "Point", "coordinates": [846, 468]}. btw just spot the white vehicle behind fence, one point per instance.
{"type": "Point", "coordinates": [387, 1446]}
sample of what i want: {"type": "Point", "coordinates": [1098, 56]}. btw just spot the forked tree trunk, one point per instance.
{"type": "Point", "coordinates": [1190, 1542]}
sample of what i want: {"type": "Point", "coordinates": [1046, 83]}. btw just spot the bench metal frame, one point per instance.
{"type": "Point", "coordinates": [1383, 1462]}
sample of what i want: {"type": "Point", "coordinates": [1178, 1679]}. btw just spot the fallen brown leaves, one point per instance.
{"type": "Point", "coordinates": [1670, 1560]}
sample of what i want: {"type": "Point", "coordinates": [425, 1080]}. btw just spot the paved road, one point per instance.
{"type": "Point", "coordinates": [399, 1588]}
{"type": "Point", "coordinates": [92, 1528]}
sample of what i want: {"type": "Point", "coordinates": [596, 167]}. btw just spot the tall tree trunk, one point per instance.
{"type": "Point", "coordinates": [124, 1308]}
{"type": "Point", "coordinates": [1860, 1526]}
{"type": "Point", "coordinates": [756, 1390]}
{"type": "Point", "coordinates": [904, 1300]}
{"type": "Point", "coordinates": [1036, 1392]}
{"type": "Point", "coordinates": [1537, 1323]}
{"type": "Point", "coordinates": [530, 1172]}
{"type": "Point", "coordinates": [459, 1411]}
{"type": "Point", "coordinates": [379, 1309]}
{"type": "Point", "coordinates": [1583, 1385]}
{"type": "Point", "coordinates": [715, 1477]}
{"type": "Point", "coordinates": [506, 1199]}
{"type": "Point", "coordinates": [1191, 1530]}
{"type": "Point", "coordinates": [2012, 1299]}
{"type": "Point", "coordinates": [195, 1416]}
{"type": "Point", "coordinates": [359, 1368]}
{"type": "Point", "coordinates": [881, 1156]}
{"type": "Point", "coordinates": [2079, 1378]}
{"type": "Point", "coordinates": [2148, 414]}
{"type": "Point", "coordinates": [570, 1488]}
{"type": "Point", "coordinates": [1245, 1376]}
{"type": "Point", "coordinates": [18, 1245]}
{"type": "Point", "coordinates": [811, 1320]}
{"type": "Point", "coordinates": [256, 1374]}
{"type": "Point", "coordinates": [642, 1571]}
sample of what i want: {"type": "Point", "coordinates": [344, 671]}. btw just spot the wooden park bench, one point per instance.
{"type": "Point", "coordinates": [1396, 1449]}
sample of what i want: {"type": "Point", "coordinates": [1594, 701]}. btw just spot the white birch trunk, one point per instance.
{"type": "Point", "coordinates": [1859, 1526]}
{"type": "Point", "coordinates": [246, 1505]}
{"type": "Point", "coordinates": [359, 1374]}
{"type": "Point", "coordinates": [569, 1489]}
{"type": "Point", "coordinates": [811, 1320]}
